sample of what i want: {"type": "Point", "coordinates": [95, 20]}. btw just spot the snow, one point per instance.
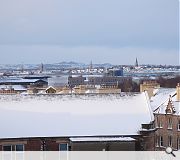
{"type": "Point", "coordinates": [102, 139]}
{"type": "Point", "coordinates": [162, 108]}
{"type": "Point", "coordinates": [50, 88]}
{"type": "Point", "coordinates": [15, 87]}
{"type": "Point", "coordinates": [20, 80]}
{"type": "Point", "coordinates": [90, 91]}
{"type": "Point", "coordinates": [72, 115]}
{"type": "Point", "coordinates": [160, 100]}
{"type": "Point", "coordinates": [161, 96]}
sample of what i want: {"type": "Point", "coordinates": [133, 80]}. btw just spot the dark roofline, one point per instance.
{"type": "Point", "coordinates": [36, 77]}
{"type": "Point", "coordinates": [68, 137]}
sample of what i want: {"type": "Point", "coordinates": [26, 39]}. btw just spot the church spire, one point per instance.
{"type": "Point", "coordinates": [136, 63]}
{"type": "Point", "coordinates": [41, 67]}
{"type": "Point", "coordinates": [91, 66]}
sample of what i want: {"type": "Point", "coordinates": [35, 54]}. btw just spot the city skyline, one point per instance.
{"type": "Point", "coordinates": [115, 32]}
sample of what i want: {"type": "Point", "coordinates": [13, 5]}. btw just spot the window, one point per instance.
{"type": "Point", "coordinates": [7, 148]}
{"type": "Point", "coordinates": [63, 147]}
{"type": "Point", "coordinates": [19, 147]}
{"type": "Point", "coordinates": [161, 141]}
{"type": "Point", "coordinates": [159, 123]}
{"type": "Point", "coordinates": [178, 125]}
{"type": "Point", "coordinates": [157, 141]}
{"type": "Point", "coordinates": [170, 141]}
{"type": "Point", "coordinates": [169, 123]}
{"type": "Point", "coordinates": [178, 143]}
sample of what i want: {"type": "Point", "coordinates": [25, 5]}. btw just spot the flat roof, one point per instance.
{"type": "Point", "coordinates": [73, 115]}
{"type": "Point", "coordinates": [21, 80]}
{"type": "Point", "coordinates": [102, 139]}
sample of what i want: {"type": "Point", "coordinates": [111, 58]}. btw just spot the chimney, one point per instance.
{"type": "Point", "coordinates": [178, 92]}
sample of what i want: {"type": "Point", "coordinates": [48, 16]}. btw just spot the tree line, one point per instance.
{"type": "Point", "coordinates": [131, 86]}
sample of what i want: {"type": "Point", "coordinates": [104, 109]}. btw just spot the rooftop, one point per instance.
{"type": "Point", "coordinates": [160, 100]}
{"type": "Point", "coordinates": [15, 87]}
{"type": "Point", "coordinates": [19, 80]}
{"type": "Point", "coordinates": [73, 115]}
{"type": "Point", "coordinates": [102, 139]}
{"type": "Point", "coordinates": [162, 108]}
{"type": "Point", "coordinates": [161, 96]}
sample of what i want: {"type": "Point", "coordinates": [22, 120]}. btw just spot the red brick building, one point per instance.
{"type": "Point", "coordinates": [165, 130]}
{"type": "Point", "coordinates": [69, 144]}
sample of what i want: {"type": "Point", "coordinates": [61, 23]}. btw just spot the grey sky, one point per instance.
{"type": "Point", "coordinates": [115, 31]}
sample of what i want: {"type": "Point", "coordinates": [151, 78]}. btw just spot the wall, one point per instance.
{"type": "Point", "coordinates": [52, 144]}
{"type": "Point", "coordinates": [165, 132]}
{"type": "Point", "coordinates": [99, 146]}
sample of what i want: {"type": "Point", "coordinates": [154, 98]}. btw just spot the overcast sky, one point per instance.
{"type": "Point", "coordinates": [114, 31]}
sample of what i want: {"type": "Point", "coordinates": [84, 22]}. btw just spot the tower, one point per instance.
{"type": "Point", "coordinates": [136, 63]}
{"type": "Point", "coordinates": [22, 68]}
{"type": "Point", "coordinates": [91, 66]}
{"type": "Point", "coordinates": [41, 68]}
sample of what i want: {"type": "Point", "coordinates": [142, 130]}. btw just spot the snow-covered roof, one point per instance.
{"type": "Point", "coordinates": [102, 139]}
{"type": "Point", "coordinates": [72, 115]}
{"type": "Point", "coordinates": [161, 96]}
{"type": "Point", "coordinates": [89, 91]}
{"type": "Point", "coordinates": [15, 87]}
{"type": "Point", "coordinates": [50, 87]}
{"type": "Point", "coordinates": [160, 100]}
{"type": "Point", "coordinates": [20, 80]}
{"type": "Point", "coordinates": [162, 108]}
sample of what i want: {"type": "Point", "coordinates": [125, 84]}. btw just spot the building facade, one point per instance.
{"type": "Point", "coordinates": [149, 86]}
{"type": "Point", "coordinates": [69, 144]}
{"type": "Point", "coordinates": [165, 130]}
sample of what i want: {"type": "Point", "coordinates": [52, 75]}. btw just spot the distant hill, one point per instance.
{"type": "Point", "coordinates": [72, 64]}
{"type": "Point", "coordinates": [60, 65]}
